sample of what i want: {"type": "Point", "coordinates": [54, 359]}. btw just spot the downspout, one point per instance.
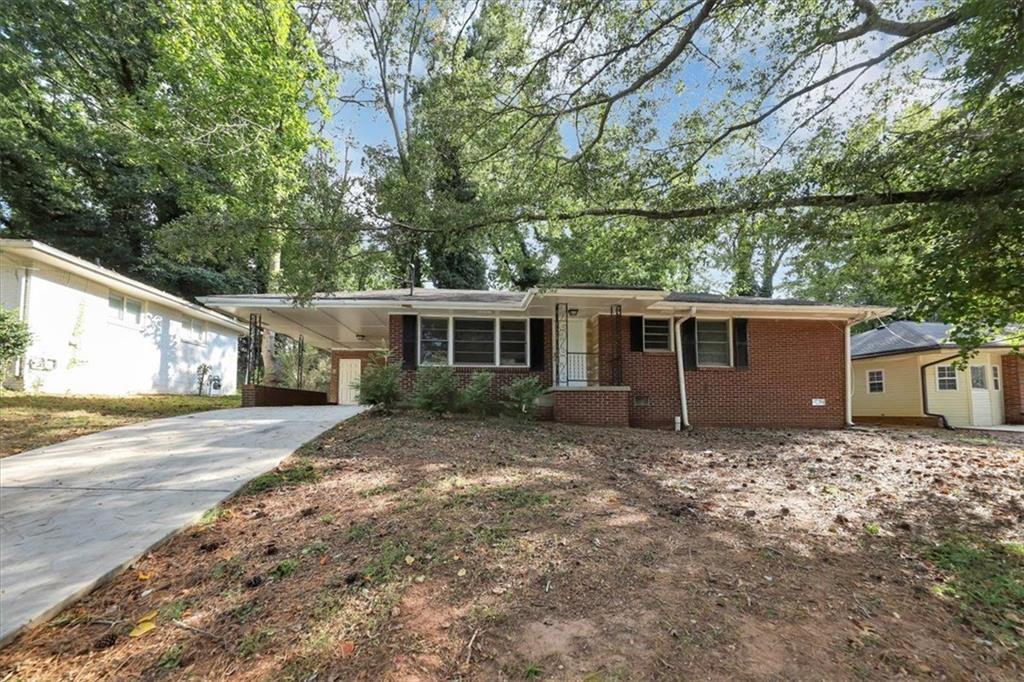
{"type": "Point", "coordinates": [849, 376]}
{"type": "Point", "coordinates": [924, 391]}
{"type": "Point", "coordinates": [684, 417]}
{"type": "Point", "coordinates": [23, 294]}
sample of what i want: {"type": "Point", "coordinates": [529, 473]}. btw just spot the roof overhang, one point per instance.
{"type": "Point", "coordinates": [812, 312]}
{"type": "Point", "coordinates": [37, 252]}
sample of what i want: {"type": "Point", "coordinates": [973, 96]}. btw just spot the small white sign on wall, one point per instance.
{"type": "Point", "coordinates": [817, 402]}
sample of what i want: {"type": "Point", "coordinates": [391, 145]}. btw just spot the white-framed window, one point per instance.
{"type": "Point", "coordinates": [945, 378]}
{"type": "Point", "coordinates": [657, 334]}
{"type": "Point", "coordinates": [714, 343]}
{"type": "Point", "coordinates": [124, 309]}
{"type": "Point", "coordinates": [192, 330]}
{"type": "Point", "coordinates": [978, 378]}
{"type": "Point", "coordinates": [995, 377]}
{"type": "Point", "coordinates": [876, 381]}
{"type": "Point", "coordinates": [434, 340]}
{"type": "Point", "coordinates": [515, 338]}
{"type": "Point", "coordinates": [474, 341]}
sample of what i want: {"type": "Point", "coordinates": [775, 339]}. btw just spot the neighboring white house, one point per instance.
{"type": "Point", "coordinates": [95, 331]}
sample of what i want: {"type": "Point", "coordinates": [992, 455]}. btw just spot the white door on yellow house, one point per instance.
{"type": "Point", "coordinates": [981, 401]}
{"type": "Point", "coordinates": [348, 374]}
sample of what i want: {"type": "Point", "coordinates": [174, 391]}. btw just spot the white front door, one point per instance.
{"type": "Point", "coordinates": [981, 401]}
{"type": "Point", "coordinates": [349, 372]}
{"type": "Point", "coordinates": [572, 360]}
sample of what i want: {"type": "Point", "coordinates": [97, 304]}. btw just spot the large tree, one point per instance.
{"type": "Point", "coordinates": [124, 124]}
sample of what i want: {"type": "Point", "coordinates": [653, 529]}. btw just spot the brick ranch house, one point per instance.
{"type": "Point", "coordinates": [623, 357]}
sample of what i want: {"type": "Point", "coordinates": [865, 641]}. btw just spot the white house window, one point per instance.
{"type": "Point", "coordinates": [192, 330]}
{"type": "Point", "coordinates": [513, 342]}
{"type": "Point", "coordinates": [657, 335]}
{"type": "Point", "coordinates": [713, 348]}
{"type": "Point", "coordinates": [124, 309]}
{"type": "Point", "coordinates": [978, 379]}
{"type": "Point", "coordinates": [946, 377]}
{"type": "Point", "coordinates": [876, 381]}
{"type": "Point", "coordinates": [474, 341]}
{"type": "Point", "coordinates": [995, 378]}
{"type": "Point", "coordinates": [434, 340]}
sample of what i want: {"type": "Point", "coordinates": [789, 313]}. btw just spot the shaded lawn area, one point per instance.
{"type": "Point", "coordinates": [32, 421]}
{"type": "Point", "coordinates": [406, 547]}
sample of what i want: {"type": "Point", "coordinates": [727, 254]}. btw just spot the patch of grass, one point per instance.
{"type": "Point", "coordinates": [389, 555]}
{"type": "Point", "coordinates": [232, 569]}
{"type": "Point", "coordinates": [987, 581]}
{"type": "Point", "coordinates": [315, 549]}
{"type": "Point", "coordinates": [241, 614]}
{"type": "Point", "coordinates": [520, 498]}
{"type": "Point", "coordinates": [285, 568]}
{"type": "Point", "coordinates": [533, 672]}
{"type": "Point", "coordinates": [303, 472]}
{"type": "Point", "coordinates": [359, 531]}
{"type": "Point", "coordinates": [173, 610]}
{"type": "Point", "coordinates": [32, 421]}
{"type": "Point", "coordinates": [255, 642]}
{"type": "Point", "coordinates": [171, 658]}
{"type": "Point", "coordinates": [377, 490]}
{"type": "Point", "coordinates": [872, 528]}
{"type": "Point", "coordinates": [327, 519]}
{"type": "Point", "coordinates": [211, 516]}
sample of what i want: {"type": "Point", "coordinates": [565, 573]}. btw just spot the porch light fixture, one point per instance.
{"type": "Point", "coordinates": [573, 312]}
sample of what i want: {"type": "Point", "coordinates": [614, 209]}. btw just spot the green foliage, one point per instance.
{"type": "Point", "coordinates": [475, 397]}
{"type": "Point", "coordinates": [380, 383]}
{"type": "Point", "coordinates": [14, 338]}
{"type": "Point", "coordinates": [987, 580]}
{"type": "Point", "coordinates": [293, 475]}
{"type": "Point", "coordinates": [389, 556]}
{"type": "Point", "coordinates": [284, 568]}
{"type": "Point", "coordinates": [522, 395]}
{"type": "Point", "coordinates": [316, 366]}
{"type": "Point", "coordinates": [255, 642]}
{"type": "Point", "coordinates": [436, 389]}
{"type": "Point", "coordinates": [171, 657]}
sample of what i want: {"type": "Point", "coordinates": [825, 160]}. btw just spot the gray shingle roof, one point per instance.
{"type": "Point", "coordinates": [901, 337]}
{"type": "Point", "coordinates": [688, 297]}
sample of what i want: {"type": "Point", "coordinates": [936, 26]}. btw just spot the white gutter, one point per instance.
{"type": "Point", "coordinates": [684, 413]}
{"type": "Point", "coordinates": [776, 311]}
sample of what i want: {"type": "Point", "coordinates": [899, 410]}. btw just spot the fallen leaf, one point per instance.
{"type": "Point", "coordinates": [145, 576]}
{"type": "Point", "coordinates": [462, 572]}
{"type": "Point", "coordinates": [142, 628]}
{"type": "Point", "coordinates": [409, 559]}
{"type": "Point", "coordinates": [149, 615]}
{"type": "Point", "coordinates": [347, 648]}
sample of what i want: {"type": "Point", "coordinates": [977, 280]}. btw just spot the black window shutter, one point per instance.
{"type": "Point", "coordinates": [536, 343]}
{"type": "Point", "coordinates": [690, 343]}
{"type": "Point", "coordinates": [636, 333]}
{"type": "Point", "coordinates": [741, 357]}
{"type": "Point", "coordinates": [408, 342]}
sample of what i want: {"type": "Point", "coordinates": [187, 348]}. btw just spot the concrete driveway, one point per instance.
{"type": "Point", "coordinates": [74, 513]}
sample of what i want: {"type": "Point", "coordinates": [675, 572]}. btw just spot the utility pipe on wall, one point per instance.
{"type": "Point", "coordinates": [684, 419]}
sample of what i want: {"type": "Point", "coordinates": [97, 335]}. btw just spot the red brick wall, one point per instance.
{"type": "Point", "coordinates": [363, 355]}
{"type": "Point", "coordinates": [274, 396]}
{"type": "Point", "coordinates": [791, 362]}
{"type": "Point", "coordinates": [503, 376]}
{"type": "Point", "coordinates": [653, 376]}
{"type": "Point", "coordinates": [1013, 389]}
{"type": "Point", "coordinates": [592, 406]}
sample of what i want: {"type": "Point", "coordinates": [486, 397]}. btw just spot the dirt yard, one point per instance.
{"type": "Point", "coordinates": [406, 548]}
{"type": "Point", "coordinates": [32, 421]}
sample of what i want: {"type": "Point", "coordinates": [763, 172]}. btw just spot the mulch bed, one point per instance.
{"type": "Point", "coordinates": [407, 547]}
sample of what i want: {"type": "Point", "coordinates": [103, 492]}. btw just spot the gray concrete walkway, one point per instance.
{"type": "Point", "coordinates": [74, 513]}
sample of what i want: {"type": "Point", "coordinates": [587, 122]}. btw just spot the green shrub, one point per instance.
{"type": "Point", "coordinates": [522, 396]}
{"type": "Point", "coordinates": [380, 383]}
{"type": "Point", "coordinates": [476, 396]}
{"type": "Point", "coordinates": [436, 389]}
{"type": "Point", "coordinates": [14, 338]}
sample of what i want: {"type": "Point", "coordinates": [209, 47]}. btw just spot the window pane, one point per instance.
{"type": "Point", "coordinates": [713, 342]}
{"type": "Point", "coordinates": [133, 311]}
{"type": "Point", "coordinates": [115, 306]}
{"type": "Point", "coordinates": [876, 381]}
{"type": "Point", "coordinates": [474, 342]}
{"type": "Point", "coordinates": [947, 378]}
{"type": "Point", "coordinates": [656, 334]}
{"type": "Point", "coordinates": [434, 341]}
{"type": "Point", "coordinates": [995, 378]}
{"type": "Point", "coordinates": [978, 377]}
{"type": "Point", "coordinates": [513, 342]}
